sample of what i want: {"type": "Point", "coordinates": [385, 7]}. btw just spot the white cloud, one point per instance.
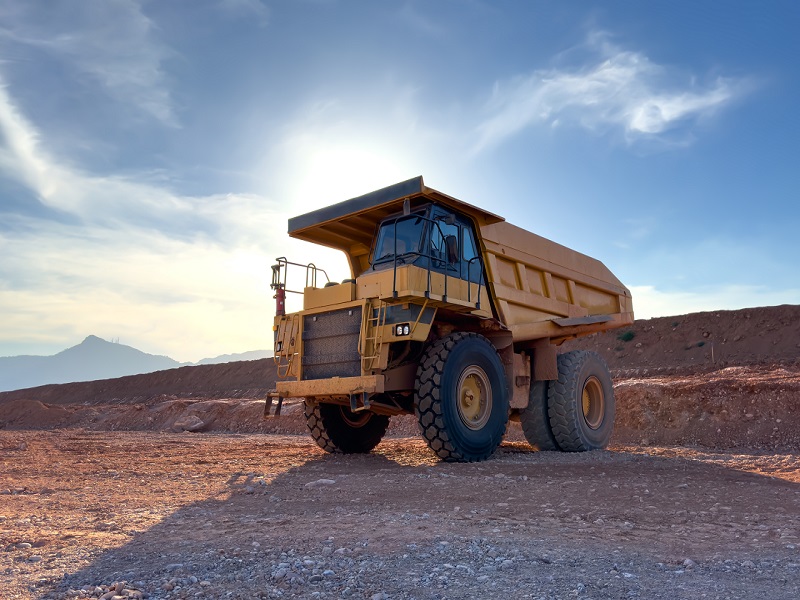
{"type": "Point", "coordinates": [111, 41]}
{"type": "Point", "coordinates": [92, 199]}
{"type": "Point", "coordinates": [19, 158]}
{"type": "Point", "coordinates": [619, 89]}
{"type": "Point", "coordinates": [649, 302]}
{"type": "Point", "coordinates": [637, 230]}
{"type": "Point", "coordinates": [182, 275]}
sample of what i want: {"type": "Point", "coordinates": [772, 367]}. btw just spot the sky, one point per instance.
{"type": "Point", "coordinates": [152, 152]}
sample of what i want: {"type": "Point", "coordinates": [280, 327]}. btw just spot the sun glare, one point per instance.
{"type": "Point", "coordinates": [336, 172]}
{"type": "Point", "coordinates": [325, 172]}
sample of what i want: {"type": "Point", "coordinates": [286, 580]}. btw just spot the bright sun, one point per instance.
{"type": "Point", "coordinates": [327, 172]}
{"type": "Point", "coordinates": [336, 172]}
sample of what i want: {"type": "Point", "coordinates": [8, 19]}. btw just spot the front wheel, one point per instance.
{"type": "Point", "coordinates": [581, 402]}
{"type": "Point", "coordinates": [462, 399]}
{"type": "Point", "coordinates": [336, 428]}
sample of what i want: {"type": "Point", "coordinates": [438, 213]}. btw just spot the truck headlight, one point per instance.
{"type": "Point", "coordinates": [279, 346]}
{"type": "Point", "coordinates": [402, 329]}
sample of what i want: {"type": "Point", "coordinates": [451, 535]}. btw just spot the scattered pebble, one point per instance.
{"type": "Point", "coordinates": [320, 482]}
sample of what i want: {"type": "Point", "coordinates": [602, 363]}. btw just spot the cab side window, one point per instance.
{"type": "Point", "coordinates": [441, 231]}
{"type": "Point", "coordinates": [469, 256]}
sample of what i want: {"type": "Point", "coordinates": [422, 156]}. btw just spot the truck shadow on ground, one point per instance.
{"type": "Point", "coordinates": [363, 515]}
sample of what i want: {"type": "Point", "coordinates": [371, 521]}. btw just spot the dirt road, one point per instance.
{"type": "Point", "coordinates": [269, 516]}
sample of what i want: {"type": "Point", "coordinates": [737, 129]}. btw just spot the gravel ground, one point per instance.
{"type": "Point", "coordinates": [159, 515]}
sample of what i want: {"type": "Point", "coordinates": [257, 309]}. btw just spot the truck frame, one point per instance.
{"type": "Point", "coordinates": [452, 314]}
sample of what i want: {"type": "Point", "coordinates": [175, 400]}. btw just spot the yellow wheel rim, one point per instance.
{"type": "Point", "coordinates": [474, 397]}
{"type": "Point", "coordinates": [594, 402]}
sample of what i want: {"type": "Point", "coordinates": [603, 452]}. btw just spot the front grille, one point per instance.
{"type": "Point", "coordinates": [330, 344]}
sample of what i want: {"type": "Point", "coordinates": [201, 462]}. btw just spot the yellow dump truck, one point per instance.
{"type": "Point", "coordinates": [452, 314]}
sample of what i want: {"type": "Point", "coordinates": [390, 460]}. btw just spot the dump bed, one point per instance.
{"type": "Point", "coordinates": [539, 289]}
{"type": "Point", "coordinates": [543, 289]}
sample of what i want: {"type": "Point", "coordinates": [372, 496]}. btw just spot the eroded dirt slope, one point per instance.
{"type": "Point", "coordinates": [669, 388]}
{"type": "Point", "coordinates": [701, 341]}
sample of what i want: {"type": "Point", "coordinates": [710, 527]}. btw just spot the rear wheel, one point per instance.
{"type": "Point", "coordinates": [462, 400]}
{"type": "Point", "coordinates": [535, 419]}
{"type": "Point", "coordinates": [336, 428]}
{"type": "Point", "coordinates": [581, 402]}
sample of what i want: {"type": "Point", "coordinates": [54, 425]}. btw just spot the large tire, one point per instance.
{"type": "Point", "coordinates": [535, 419]}
{"type": "Point", "coordinates": [462, 398]}
{"type": "Point", "coordinates": [581, 402]}
{"type": "Point", "coordinates": [336, 429]}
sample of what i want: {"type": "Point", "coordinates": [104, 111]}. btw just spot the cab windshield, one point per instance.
{"type": "Point", "coordinates": [399, 238]}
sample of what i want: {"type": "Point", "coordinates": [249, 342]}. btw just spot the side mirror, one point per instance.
{"type": "Point", "coordinates": [451, 243]}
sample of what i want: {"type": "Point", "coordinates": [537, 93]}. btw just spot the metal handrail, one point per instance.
{"type": "Point", "coordinates": [283, 266]}
{"type": "Point", "coordinates": [469, 280]}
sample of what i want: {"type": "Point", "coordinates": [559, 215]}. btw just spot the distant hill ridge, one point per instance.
{"type": "Point", "coordinates": [706, 340]}
{"type": "Point", "coordinates": [94, 358]}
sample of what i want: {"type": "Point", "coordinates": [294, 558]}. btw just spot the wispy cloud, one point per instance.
{"type": "Point", "coordinates": [92, 199]}
{"type": "Point", "coordinates": [153, 292]}
{"type": "Point", "coordinates": [19, 158]}
{"type": "Point", "coordinates": [113, 42]}
{"type": "Point", "coordinates": [614, 89]}
{"type": "Point", "coordinates": [637, 230]}
{"type": "Point", "coordinates": [254, 9]}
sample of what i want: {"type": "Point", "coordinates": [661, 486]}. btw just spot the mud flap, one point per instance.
{"type": "Point", "coordinates": [268, 405]}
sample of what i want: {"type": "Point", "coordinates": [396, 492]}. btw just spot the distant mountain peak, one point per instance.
{"type": "Point", "coordinates": [94, 358]}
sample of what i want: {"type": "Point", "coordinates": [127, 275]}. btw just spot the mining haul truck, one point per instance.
{"type": "Point", "coordinates": [451, 314]}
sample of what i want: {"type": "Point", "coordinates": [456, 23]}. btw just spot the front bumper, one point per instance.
{"type": "Point", "coordinates": [332, 386]}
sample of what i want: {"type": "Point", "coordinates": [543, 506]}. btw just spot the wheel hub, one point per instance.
{"type": "Point", "coordinates": [474, 400]}
{"type": "Point", "coordinates": [593, 401]}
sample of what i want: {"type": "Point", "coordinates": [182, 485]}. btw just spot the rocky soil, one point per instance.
{"type": "Point", "coordinates": [153, 515]}
{"type": "Point", "coordinates": [172, 485]}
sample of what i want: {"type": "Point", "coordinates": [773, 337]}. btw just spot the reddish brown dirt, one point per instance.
{"type": "Point", "coordinates": [255, 516]}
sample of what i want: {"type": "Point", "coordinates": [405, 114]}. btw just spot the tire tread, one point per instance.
{"type": "Point", "coordinates": [428, 405]}
{"type": "Point", "coordinates": [333, 435]}
{"type": "Point", "coordinates": [564, 408]}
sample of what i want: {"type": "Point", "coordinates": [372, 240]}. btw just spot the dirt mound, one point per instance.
{"type": "Point", "coordinates": [244, 379]}
{"type": "Point", "coordinates": [753, 407]}
{"type": "Point", "coordinates": [720, 379]}
{"type": "Point", "coordinates": [700, 341]}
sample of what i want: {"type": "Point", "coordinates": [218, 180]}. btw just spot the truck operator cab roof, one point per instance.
{"type": "Point", "coordinates": [350, 226]}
